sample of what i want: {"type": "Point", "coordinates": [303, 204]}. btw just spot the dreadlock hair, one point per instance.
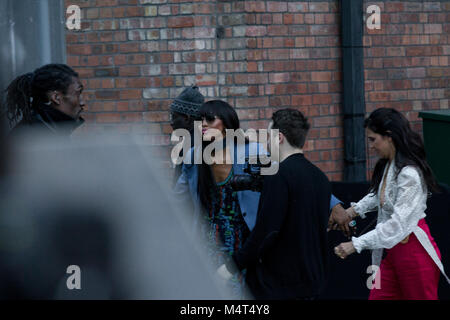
{"type": "Point", "coordinates": [28, 91]}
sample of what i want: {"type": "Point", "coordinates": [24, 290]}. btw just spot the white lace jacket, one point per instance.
{"type": "Point", "coordinates": [404, 205]}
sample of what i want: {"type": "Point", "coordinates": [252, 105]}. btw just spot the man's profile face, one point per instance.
{"type": "Point", "coordinates": [72, 103]}
{"type": "Point", "coordinates": [179, 121]}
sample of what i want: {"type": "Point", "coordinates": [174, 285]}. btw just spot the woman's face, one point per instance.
{"type": "Point", "coordinates": [382, 145]}
{"type": "Point", "coordinates": [210, 122]}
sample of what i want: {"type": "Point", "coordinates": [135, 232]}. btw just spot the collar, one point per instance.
{"type": "Point", "coordinates": [57, 121]}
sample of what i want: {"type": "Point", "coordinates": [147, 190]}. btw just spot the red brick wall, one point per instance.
{"type": "Point", "coordinates": [137, 55]}
{"type": "Point", "coordinates": [407, 60]}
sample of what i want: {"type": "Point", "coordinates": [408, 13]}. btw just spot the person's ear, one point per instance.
{"type": "Point", "coordinates": [281, 137]}
{"type": "Point", "coordinates": [55, 98]}
{"type": "Point", "coordinates": [389, 135]}
{"type": "Point", "coordinates": [188, 119]}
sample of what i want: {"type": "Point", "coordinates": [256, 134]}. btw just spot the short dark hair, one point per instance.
{"type": "Point", "coordinates": [293, 124]}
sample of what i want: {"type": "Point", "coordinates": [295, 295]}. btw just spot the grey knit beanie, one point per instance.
{"type": "Point", "coordinates": [188, 102]}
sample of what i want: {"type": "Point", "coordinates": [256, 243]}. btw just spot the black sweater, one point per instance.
{"type": "Point", "coordinates": [286, 253]}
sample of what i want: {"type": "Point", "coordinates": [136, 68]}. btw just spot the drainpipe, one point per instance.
{"type": "Point", "coordinates": [353, 90]}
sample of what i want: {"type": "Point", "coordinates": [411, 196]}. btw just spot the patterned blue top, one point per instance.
{"type": "Point", "coordinates": [226, 230]}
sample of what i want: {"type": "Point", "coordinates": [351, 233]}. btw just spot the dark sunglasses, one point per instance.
{"type": "Point", "coordinates": [209, 117]}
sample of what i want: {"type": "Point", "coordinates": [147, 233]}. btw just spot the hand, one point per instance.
{"type": "Point", "coordinates": [339, 219]}
{"type": "Point", "coordinates": [344, 249]}
{"type": "Point", "coordinates": [223, 273]}
{"type": "Point", "coordinates": [351, 212]}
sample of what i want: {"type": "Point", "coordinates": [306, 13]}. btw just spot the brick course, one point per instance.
{"type": "Point", "coordinates": [401, 59]}
{"type": "Point", "coordinates": [134, 56]}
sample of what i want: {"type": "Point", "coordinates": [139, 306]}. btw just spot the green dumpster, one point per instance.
{"type": "Point", "coordinates": [436, 135]}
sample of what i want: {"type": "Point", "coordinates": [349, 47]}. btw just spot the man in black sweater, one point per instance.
{"type": "Point", "coordinates": [286, 252]}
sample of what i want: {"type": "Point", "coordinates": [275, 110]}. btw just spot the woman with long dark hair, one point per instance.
{"type": "Point", "coordinates": [399, 189]}
{"type": "Point", "coordinates": [49, 98]}
{"type": "Point", "coordinates": [223, 216]}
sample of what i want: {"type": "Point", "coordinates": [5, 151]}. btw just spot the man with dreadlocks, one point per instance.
{"type": "Point", "coordinates": [49, 98]}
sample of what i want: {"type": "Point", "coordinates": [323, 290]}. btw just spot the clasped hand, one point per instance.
{"type": "Point", "coordinates": [344, 249]}
{"type": "Point", "coordinates": [340, 218]}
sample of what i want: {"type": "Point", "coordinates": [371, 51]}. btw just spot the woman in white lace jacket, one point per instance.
{"type": "Point", "coordinates": [399, 190]}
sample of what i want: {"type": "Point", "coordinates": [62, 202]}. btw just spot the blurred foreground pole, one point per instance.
{"type": "Point", "coordinates": [100, 207]}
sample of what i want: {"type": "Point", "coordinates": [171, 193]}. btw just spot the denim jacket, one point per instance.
{"type": "Point", "coordinates": [186, 188]}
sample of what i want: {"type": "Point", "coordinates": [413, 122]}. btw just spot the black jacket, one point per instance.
{"type": "Point", "coordinates": [286, 255]}
{"type": "Point", "coordinates": [48, 119]}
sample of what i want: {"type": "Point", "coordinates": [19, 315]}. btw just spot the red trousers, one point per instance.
{"type": "Point", "coordinates": [407, 272]}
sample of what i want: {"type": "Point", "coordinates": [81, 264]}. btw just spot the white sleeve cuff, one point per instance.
{"type": "Point", "coordinates": [358, 210]}
{"type": "Point", "coordinates": [357, 244]}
